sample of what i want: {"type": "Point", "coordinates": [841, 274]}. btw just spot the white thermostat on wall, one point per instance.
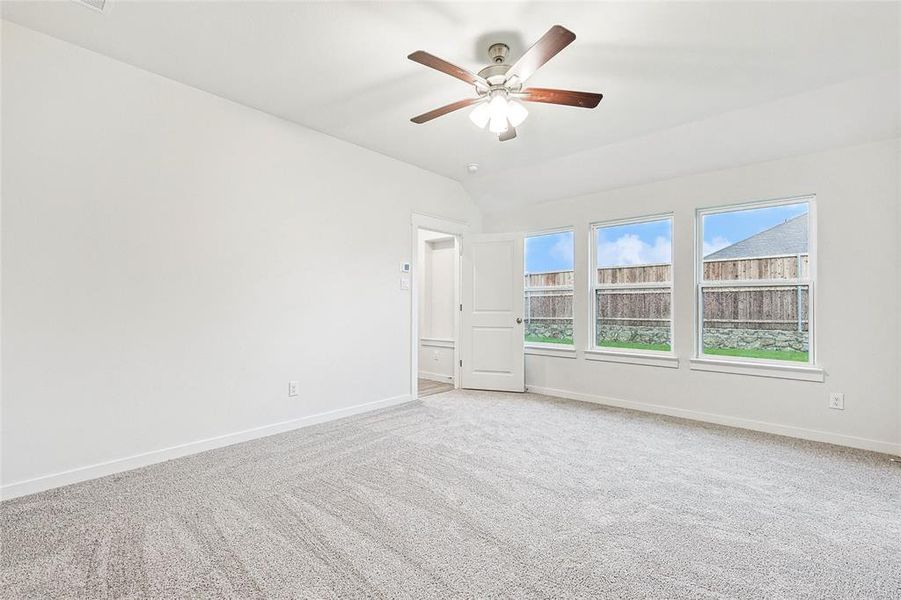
{"type": "Point", "coordinates": [404, 267]}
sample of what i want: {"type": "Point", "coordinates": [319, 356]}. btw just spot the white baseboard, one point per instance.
{"type": "Point", "coordinates": [46, 482]}
{"type": "Point", "coordinates": [436, 377]}
{"type": "Point", "coordinates": [763, 426]}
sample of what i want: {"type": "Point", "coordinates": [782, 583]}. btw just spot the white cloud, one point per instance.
{"type": "Point", "coordinates": [563, 249]}
{"type": "Point", "coordinates": [717, 243]}
{"type": "Point", "coordinates": [632, 250]}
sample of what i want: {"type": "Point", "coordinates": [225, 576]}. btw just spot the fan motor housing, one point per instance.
{"type": "Point", "coordinates": [496, 75]}
{"type": "Point", "coordinates": [494, 71]}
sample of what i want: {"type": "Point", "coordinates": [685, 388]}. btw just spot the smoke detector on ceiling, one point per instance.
{"type": "Point", "coordinates": [97, 5]}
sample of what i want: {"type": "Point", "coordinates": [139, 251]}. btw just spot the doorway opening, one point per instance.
{"type": "Point", "coordinates": [437, 277]}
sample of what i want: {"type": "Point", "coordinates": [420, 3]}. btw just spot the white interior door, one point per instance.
{"type": "Point", "coordinates": [493, 349]}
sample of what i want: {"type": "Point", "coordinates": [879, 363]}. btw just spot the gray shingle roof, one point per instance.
{"type": "Point", "coordinates": [789, 237]}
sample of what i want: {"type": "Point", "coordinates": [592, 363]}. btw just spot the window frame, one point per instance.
{"type": "Point", "coordinates": [593, 288]}
{"type": "Point", "coordinates": [550, 348]}
{"type": "Point", "coordinates": [699, 355]}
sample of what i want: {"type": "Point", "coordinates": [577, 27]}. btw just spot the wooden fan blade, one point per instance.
{"type": "Point", "coordinates": [434, 114]}
{"type": "Point", "coordinates": [566, 97]}
{"type": "Point", "coordinates": [439, 64]}
{"type": "Point", "coordinates": [556, 39]}
{"type": "Point", "coordinates": [509, 134]}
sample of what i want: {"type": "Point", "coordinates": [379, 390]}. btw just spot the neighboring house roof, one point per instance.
{"type": "Point", "coordinates": [785, 238]}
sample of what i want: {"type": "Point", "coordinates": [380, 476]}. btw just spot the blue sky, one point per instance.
{"type": "Point", "coordinates": [552, 252]}
{"type": "Point", "coordinates": [652, 242]}
{"type": "Point", "coordinates": [723, 229]}
{"type": "Point", "coordinates": [635, 244]}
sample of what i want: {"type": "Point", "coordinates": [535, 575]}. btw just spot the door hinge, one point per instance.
{"type": "Point", "coordinates": [461, 308]}
{"type": "Point", "coordinates": [461, 362]}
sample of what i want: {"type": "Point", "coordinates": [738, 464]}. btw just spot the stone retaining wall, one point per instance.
{"type": "Point", "coordinates": [762, 339]}
{"type": "Point", "coordinates": [552, 328]}
{"type": "Point", "coordinates": [639, 334]}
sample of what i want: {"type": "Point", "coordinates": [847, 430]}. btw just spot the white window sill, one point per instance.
{"type": "Point", "coordinates": [634, 358]}
{"type": "Point", "coordinates": [798, 372]}
{"type": "Point", "coordinates": [557, 350]}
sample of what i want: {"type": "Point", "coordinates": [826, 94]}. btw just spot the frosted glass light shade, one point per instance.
{"type": "Point", "coordinates": [516, 112]}
{"type": "Point", "coordinates": [497, 110]}
{"type": "Point", "coordinates": [480, 115]}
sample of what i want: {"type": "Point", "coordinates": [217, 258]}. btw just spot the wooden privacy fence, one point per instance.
{"type": "Point", "coordinates": [549, 305]}
{"type": "Point", "coordinates": [774, 306]}
{"type": "Point", "coordinates": [549, 279]}
{"type": "Point", "coordinates": [634, 307]}
{"type": "Point", "coordinates": [633, 275]}
{"type": "Point", "coordinates": [782, 307]}
{"type": "Point", "coordinates": [768, 307]}
{"type": "Point", "coordinates": [549, 296]}
{"type": "Point", "coordinates": [795, 266]}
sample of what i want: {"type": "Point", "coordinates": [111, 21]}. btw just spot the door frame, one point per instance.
{"type": "Point", "coordinates": [452, 228]}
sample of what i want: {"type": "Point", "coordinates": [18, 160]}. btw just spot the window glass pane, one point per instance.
{"type": "Point", "coordinates": [549, 288]}
{"type": "Point", "coordinates": [762, 322]}
{"type": "Point", "coordinates": [628, 314]}
{"type": "Point", "coordinates": [647, 245]}
{"type": "Point", "coordinates": [637, 318]}
{"type": "Point", "coordinates": [760, 243]}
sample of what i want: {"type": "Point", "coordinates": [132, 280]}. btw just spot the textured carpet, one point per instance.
{"type": "Point", "coordinates": [473, 494]}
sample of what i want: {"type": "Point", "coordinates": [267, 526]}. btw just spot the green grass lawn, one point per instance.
{"type": "Point", "coordinates": [794, 355]}
{"type": "Point", "coordinates": [548, 340]}
{"type": "Point", "coordinates": [633, 345]}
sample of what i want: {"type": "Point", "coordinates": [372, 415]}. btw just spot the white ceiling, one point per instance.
{"type": "Point", "coordinates": [687, 86]}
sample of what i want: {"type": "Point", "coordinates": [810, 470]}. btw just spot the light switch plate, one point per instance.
{"type": "Point", "coordinates": [404, 267]}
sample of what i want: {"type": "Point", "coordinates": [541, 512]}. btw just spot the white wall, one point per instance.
{"type": "Point", "coordinates": [171, 260]}
{"type": "Point", "coordinates": [436, 360]}
{"type": "Point", "coordinates": [436, 263]}
{"type": "Point", "coordinates": [439, 301]}
{"type": "Point", "coordinates": [857, 302]}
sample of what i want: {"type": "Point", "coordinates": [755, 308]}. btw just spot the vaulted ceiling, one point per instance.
{"type": "Point", "coordinates": [687, 86]}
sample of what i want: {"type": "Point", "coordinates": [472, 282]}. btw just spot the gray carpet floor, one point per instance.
{"type": "Point", "coordinates": [474, 495]}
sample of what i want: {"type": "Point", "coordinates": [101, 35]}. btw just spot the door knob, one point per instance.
{"type": "Point", "coordinates": [518, 320]}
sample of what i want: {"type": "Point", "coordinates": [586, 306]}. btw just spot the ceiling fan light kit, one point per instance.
{"type": "Point", "coordinates": [499, 86]}
{"type": "Point", "coordinates": [480, 115]}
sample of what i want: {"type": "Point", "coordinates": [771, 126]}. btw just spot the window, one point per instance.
{"type": "Point", "coordinates": [632, 284]}
{"type": "Point", "coordinates": [755, 282]}
{"type": "Point", "coordinates": [549, 288]}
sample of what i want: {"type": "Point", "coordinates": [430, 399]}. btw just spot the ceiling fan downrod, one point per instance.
{"type": "Point", "coordinates": [498, 52]}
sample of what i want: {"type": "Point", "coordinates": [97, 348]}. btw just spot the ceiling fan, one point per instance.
{"type": "Point", "coordinates": [499, 86]}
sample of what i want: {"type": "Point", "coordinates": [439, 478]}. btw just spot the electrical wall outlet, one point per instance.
{"type": "Point", "coordinates": [404, 284]}
{"type": "Point", "coordinates": [837, 400]}
{"type": "Point", "coordinates": [293, 387]}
